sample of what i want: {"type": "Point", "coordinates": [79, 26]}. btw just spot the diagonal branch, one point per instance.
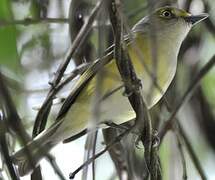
{"type": "Point", "coordinates": [31, 21]}
{"type": "Point", "coordinates": [13, 121]}
{"type": "Point", "coordinates": [42, 114]}
{"type": "Point", "coordinates": [170, 122]}
{"type": "Point", "coordinates": [5, 151]}
{"type": "Point", "coordinates": [109, 146]}
{"type": "Point", "coordinates": [131, 82]}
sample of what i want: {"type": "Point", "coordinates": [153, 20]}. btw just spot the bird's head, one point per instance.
{"type": "Point", "coordinates": [169, 22]}
{"type": "Point", "coordinates": [174, 21]}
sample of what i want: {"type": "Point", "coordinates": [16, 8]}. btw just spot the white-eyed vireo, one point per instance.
{"type": "Point", "coordinates": [164, 30]}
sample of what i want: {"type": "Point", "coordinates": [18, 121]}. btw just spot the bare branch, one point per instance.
{"type": "Point", "coordinates": [5, 152]}
{"type": "Point", "coordinates": [109, 146]}
{"type": "Point", "coordinates": [131, 82]}
{"type": "Point", "coordinates": [41, 118]}
{"type": "Point", "coordinates": [31, 21]}
{"type": "Point", "coordinates": [186, 96]}
{"type": "Point", "coordinates": [77, 42]}
{"type": "Point", "coordinates": [48, 101]}
{"type": "Point", "coordinates": [183, 160]}
{"type": "Point", "coordinates": [56, 168]}
{"type": "Point", "coordinates": [192, 154]}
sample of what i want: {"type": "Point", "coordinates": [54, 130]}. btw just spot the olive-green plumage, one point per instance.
{"type": "Point", "coordinates": [153, 49]}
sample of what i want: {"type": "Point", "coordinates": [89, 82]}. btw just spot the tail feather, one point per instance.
{"type": "Point", "coordinates": [28, 158]}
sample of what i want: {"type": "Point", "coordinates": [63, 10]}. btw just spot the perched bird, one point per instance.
{"type": "Point", "coordinates": [153, 50]}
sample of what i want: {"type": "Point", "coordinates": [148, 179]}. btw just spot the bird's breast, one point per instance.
{"type": "Point", "coordinates": [155, 64]}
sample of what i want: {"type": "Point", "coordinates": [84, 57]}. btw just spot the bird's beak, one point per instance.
{"type": "Point", "coordinates": [194, 19]}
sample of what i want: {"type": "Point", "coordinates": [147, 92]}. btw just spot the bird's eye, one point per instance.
{"type": "Point", "coordinates": [166, 14]}
{"type": "Point", "coordinates": [79, 16]}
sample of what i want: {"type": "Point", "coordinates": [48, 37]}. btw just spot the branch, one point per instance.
{"type": "Point", "coordinates": [94, 152]}
{"type": "Point", "coordinates": [209, 23]}
{"type": "Point", "coordinates": [131, 82]}
{"type": "Point", "coordinates": [42, 115]}
{"type": "Point", "coordinates": [179, 130]}
{"type": "Point", "coordinates": [192, 154]}
{"type": "Point", "coordinates": [5, 152]}
{"type": "Point", "coordinates": [183, 159]}
{"type": "Point", "coordinates": [56, 168]}
{"type": "Point", "coordinates": [13, 119]}
{"type": "Point", "coordinates": [208, 122]}
{"type": "Point", "coordinates": [30, 21]}
{"type": "Point", "coordinates": [182, 133]}
{"type": "Point", "coordinates": [78, 41]}
{"type": "Point", "coordinates": [170, 122]}
{"type": "Point", "coordinates": [108, 147]}
{"type": "Point", "coordinates": [117, 152]}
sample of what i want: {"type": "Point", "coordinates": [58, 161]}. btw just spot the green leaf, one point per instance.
{"type": "Point", "coordinates": [8, 49]}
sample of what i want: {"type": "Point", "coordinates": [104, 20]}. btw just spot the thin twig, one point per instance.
{"type": "Point", "coordinates": [167, 126]}
{"type": "Point", "coordinates": [109, 146]}
{"type": "Point", "coordinates": [131, 82]}
{"type": "Point", "coordinates": [96, 111]}
{"type": "Point", "coordinates": [207, 123]}
{"type": "Point", "coordinates": [77, 71]}
{"type": "Point", "coordinates": [93, 154]}
{"type": "Point", "coordinates": [192, 154]}
{"type": "Point", "coordinates": [37, 175]}
{"type": "Point", "coordinates": [44, 108]}
{"type": "Point", "coordinates": [13, 120]}
{"type": "Point", "coordinates": [77, 42]}
{"type": "Point", "coordinates": [154, 51]}
{"type": "Point", "coordinates": [42, 115]}
{"type": "Point", "coordinates": [12, 115]}
{"type": "Point", "coordinates": [31, 21]}
{"type": "Point", "coordinates": [55, 166]}
{"type": "Point", "coordinates": [5, 152]}
{"type": "Point", "coordinates": [116, 153]}
{"type": "Point", "coordinates": [209, 23]}
{"type": "Point", "coordinates": [188, 145]}
{"type": "Point", "coordinates": [183, 159]}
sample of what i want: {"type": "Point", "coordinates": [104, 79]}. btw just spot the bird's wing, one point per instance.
{"type": "Point", "coordinates": [86, 77]}
{"type": "Point", "coordinates": [83, 81]}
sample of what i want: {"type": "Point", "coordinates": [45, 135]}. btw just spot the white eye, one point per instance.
{"type": "Point", "coordinates": [167, 14]}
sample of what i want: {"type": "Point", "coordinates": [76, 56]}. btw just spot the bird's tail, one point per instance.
{"type": "Point", "coordinates": [29, 156]}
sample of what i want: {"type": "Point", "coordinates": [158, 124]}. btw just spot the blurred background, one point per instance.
{"type": "Point", "coordinates": [31, 51]}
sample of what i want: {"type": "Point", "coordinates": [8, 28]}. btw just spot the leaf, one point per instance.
{"type": "Point", "coordinates": [8, 49]}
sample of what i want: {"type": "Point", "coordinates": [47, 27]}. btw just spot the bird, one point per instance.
{"type": "Point", "coordinates": [156, 38]}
